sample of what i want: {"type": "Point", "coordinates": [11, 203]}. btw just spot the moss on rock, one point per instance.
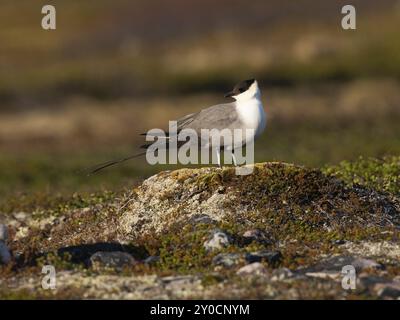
{"type": "Point", "coordinates": [304, 215]}
{"type": "Point", "coordinates": [276, 196]}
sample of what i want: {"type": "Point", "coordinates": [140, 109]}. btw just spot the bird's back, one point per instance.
{"type": "Point", "coordinates": [221, 116]}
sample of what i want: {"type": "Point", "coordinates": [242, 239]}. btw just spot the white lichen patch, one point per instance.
{"type": "Point", "coordinates": [384, 249]}
{"type": "Point", "coordinates": [164, 199]}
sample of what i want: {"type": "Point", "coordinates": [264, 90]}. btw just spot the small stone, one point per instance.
{"type": "Point", "coordinates": [227, 260]}
{"type": "Point", "coordinates": [255, 268]}
{"type": "Point", "coordinates": [332, 266]}
{"type": "Point", "coordinates": [21, 216]}
{"type": "Point", "coordinates": [178, 279]}
{"type": "Point", "coordinates": [388, 290]}
{"type": "Point", "coordinates": [366, 280]}
{"type": "Point", "coordinates": [221, 189]}
{"type": "Point", "coordinates": [180, 283]}
{"type": "Point", "coordinates": [282, 274]}
{"type": "Point", "coordinates": [255, 235]}
{"type": "Point", "coordinates": [325, 274]}
{"type": "Point", "coordinates": [5, 255]}
{"type": "Point", "coordinates": [217, 241]}
{"type": "Point", "coordinates": [339, 242]}
{"type": "Point", "coordinates": [115, 259]}
{"type": "Point", "coordinates": [362, 264]}
{"type": "Point", "coordinates": [271, 257]}
{"type": "Point", "coordinates": [151, 259]}
{"type": "Point", "coordinates": [3, 233]}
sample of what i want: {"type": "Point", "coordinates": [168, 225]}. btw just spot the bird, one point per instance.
{"type": "Point", "coordinates": [245, 112]}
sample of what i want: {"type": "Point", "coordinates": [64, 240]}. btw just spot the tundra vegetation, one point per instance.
{"type": "Point", "coordinates": [291, 220]}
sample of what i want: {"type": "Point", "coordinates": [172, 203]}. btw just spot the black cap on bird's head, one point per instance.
{"type": "Point", "coordinates": [240, 88]}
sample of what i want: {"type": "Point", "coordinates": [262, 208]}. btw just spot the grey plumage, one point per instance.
{"type": "Point", "coordinates": [219, 117]}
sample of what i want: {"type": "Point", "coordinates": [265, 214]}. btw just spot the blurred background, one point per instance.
{"type": "Point", "coordinates": [79, 95]}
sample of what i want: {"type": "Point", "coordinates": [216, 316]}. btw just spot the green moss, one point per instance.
{"type": "Point", "coordinates": [18, 294]}
{"type": "Point", "coordinates": [378, 174]}
{"type": "Point", "coordinates": [183, 251]}
{"type": "Point", "coordinates": [211, 279]}
{"type": "Point", "coordinates": [45, 204]}
{"type": "Point", "coordinates": [210, 181]}
{"type": "Point", "coordinates": [289, 203]}
{"type": "Point", "coordinates": [59, 261]}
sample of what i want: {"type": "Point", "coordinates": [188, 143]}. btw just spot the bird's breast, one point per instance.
{"type": "Point", "coordinates": [252, 116]}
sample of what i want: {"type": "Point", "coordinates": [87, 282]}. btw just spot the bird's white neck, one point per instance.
{"type": "Point", "coordinates": [251, 111]}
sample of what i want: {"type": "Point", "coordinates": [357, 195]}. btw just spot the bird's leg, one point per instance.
{"type": "Point", "coordinates": [234, 159]}
{"type": "Point", "coordinates": [218, 157]}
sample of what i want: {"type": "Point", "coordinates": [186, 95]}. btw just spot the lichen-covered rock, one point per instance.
{"type": "Point", "coordinates": [271, 257]}
{"type": "Point", "coordinates": [332, 267]}
{"type": "Point", "coordinates": [227, 260]}
{"type": "Point", "coordinates": [170, 197]}
{"type": "Point", "coordinates": [278, 193]}
{"type": "Point", "coordinates": [255, 268]}
{"type": "Point", "coordinates": [388, 290]}
{"type": "Point", "coordinates": [386, 249]}
{"type": "Point", "coordinates": [282, 274]}
{"type": "Point", "coordinates": [218, 239]}
{"type": "Point", "coordinates": [256, 235]}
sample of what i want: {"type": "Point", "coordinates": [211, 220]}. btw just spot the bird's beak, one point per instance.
{"type": "Point", "coordinates": [229, 94]}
